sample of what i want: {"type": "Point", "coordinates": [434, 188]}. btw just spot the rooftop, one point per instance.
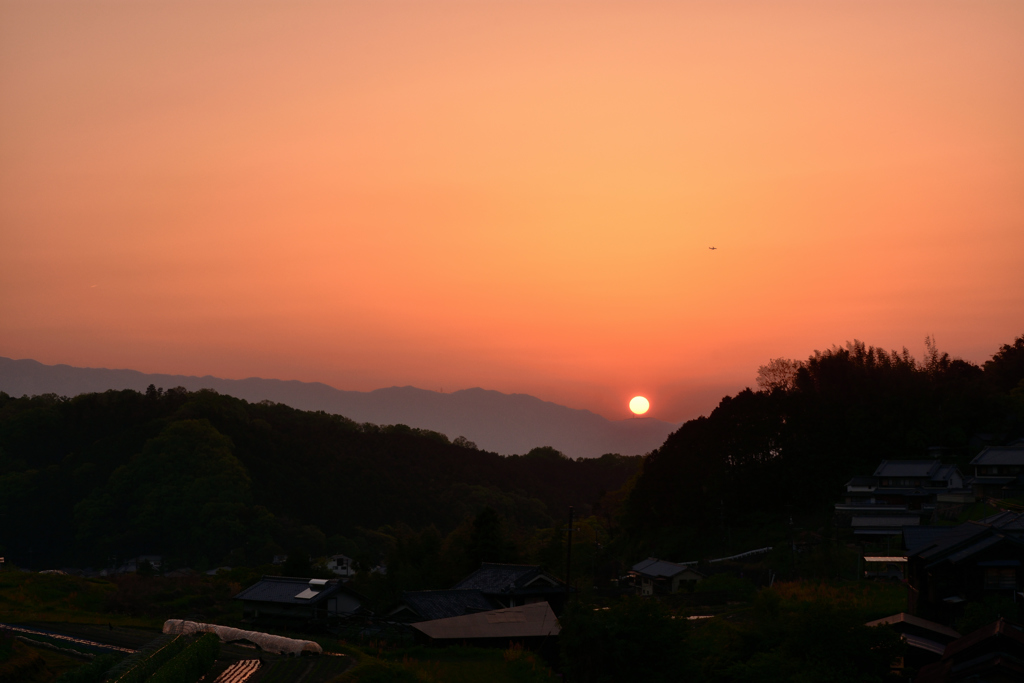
{"type": "Point", "coordinates": [1000, 455]}
{"type": "Point", "coordinates": [441, 604]}
{"type": "Point", "coordinates": [658, 569]}
{"type": "Point", "coordinates": [504, 578]}
{"type": "Point", "coordinates": [904, 618]}
{"type": "Point", "coordinates": [534, 620]}
{"type": "Point", "coordinates": [285, 589]}
{"type": "Point", "coordinates": [907, 468]}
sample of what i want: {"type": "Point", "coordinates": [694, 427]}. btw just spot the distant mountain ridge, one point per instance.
{"type": "Point", "coordinates": [502, 423]}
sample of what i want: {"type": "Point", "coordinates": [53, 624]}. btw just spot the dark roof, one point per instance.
{"type": "Point", "coordinates": [1000, 627]}
{"type": "Point", "coordinates": [915, 537]}
{"type": "Point", "coordinates": [1000, 455]}
{"type": "Point", "coordinates": [907, 468]}
{"type": "Point", "coordinates": [446, 603]}
{"type": "Point", "coordinates": [498, 579]}
{"type": "Point", "coordinates": [283, 589]}
{"type": "Point", "coordinates": [904, 618]}
{"type": "Point", "coordinates": [526, 621]}
{"type": "Point", "coordinates": [658, 569]}
{"type": "Point", "coordinates": [990, 653]}
{"type": "Point", "coordinates": [966, 540]}
{"type": "Point", "coordinates": [993, 479]}
{"type": "Point", "coordinates": [944, 472]}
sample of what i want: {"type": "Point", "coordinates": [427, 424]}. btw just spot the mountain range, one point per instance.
{"type": "Point", "coordinates": [497, 422]}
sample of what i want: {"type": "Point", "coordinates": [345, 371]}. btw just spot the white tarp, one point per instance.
{"type": "Point", "coordinates": [265, 641]}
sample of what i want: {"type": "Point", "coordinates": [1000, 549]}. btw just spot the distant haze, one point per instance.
{"type": "Point", "coordinates": [503, 423]}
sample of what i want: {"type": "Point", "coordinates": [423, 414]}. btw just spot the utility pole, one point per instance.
{"type": "Point", "coordinates": [568, 558]}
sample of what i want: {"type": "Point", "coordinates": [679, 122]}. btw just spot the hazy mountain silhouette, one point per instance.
{"type": "Point", "coordinates": [503, 423]}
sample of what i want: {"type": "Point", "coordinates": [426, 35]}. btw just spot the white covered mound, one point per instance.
{"type": "Point", "coordinates": [266, 642]}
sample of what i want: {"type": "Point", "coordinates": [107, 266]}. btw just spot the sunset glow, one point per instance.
{"type": "Point", "coordinates": [452, 194]}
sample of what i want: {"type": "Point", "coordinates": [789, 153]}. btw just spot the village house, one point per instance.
{"type": "Point", "coordinates": [663, 577]}
{"type": "Point", "coordinates": [966, 563]}
{"type": "Point", "coordinates": [281, 597]}
{"type": "Point", "coordinates": [926, 640]}
{"type": "Point", "coordinates": [900, 493]}
{"type": "Point", "coordinates": [440, 604]}
{"type": "Point", "coordinates": [992, 653]}
{"type": "Point", "coordinates": [532, 626]}
{"type": "Point", "coordinates": [998, 472]}
{"type": "Point", "coordinates": [341, 565]}
{"type": "Point", "coordinates": [493, 586]}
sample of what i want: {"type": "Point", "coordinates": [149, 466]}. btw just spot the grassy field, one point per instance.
{"type": "Point", "coordinates": [128, 601]}
{"type": "Point", "coordinates": [27, 597]}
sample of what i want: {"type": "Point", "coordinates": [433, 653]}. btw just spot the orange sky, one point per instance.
{"type": "Point", "coordinates": [507, 194]}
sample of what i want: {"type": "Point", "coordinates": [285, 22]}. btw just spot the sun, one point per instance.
{"type": "Point", "coordinates": [639, 405]}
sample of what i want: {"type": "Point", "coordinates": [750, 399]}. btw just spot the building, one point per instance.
{"type": "Point", "coordinates": [342, 565]}
{"type": "Point", "coordinates": [998, 472]}
{"type": "Point", "coordinates": [418, 606]}
{"type": "Point", "coordinates": [533, 626]}
{"type": "Point", "coordinates": [967, 563]}
{"type": "Point", "coordinates": [512, 585]}
{"type": "Point", "coordinates": [282, 597]}
{"type": "Point", "coordinates": [993, 653]}
{"type": "Point", "coordinates": [661, 576]}
{"type": "Point", "coordinates": [926, 640]}
{"type": "Point", "coordinates": [900, 493]}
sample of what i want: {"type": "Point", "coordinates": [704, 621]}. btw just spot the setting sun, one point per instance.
{"type": "Point", "coordinates": [639, 405]}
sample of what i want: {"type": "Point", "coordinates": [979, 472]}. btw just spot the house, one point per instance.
{"type": "Point", "coordinates": [967, 563]}
{"type": "Point", "coordinates": [299, 599]}
{"type": "Point", "coordinates": [491, 587]}
{"type": "Point", "coordinates": [992, 653]}
{"type": "Point", "coordinates": [998, 472]}
{"type": "Point", "coordinates": [926, 640]}
{"type": "Point", "coordinates": [341, 565]}
{"type": "Point", "coordinates": [533, 626]}
{"type": "Point", "coordinates": [900, 493]}
{"type": "Point", "coordinates": [661, 576]}
{"type": "Point", "coordinates": [416, 606]}
{"type": "Point", "coordinates": [512, 585]}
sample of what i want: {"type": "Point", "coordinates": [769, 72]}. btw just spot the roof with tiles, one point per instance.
{"type": "Point", "coordinates": [904, 618]}
{"type": "Point", "coordinates": [907, 468]}
{"type": "Point", "coordinates": [965, 540]}
{"type": "Point", "coordinates": [442, 604]}
{"type": "Point", "coordinates": [501, 578]}
{"type": "Point", "coordinates": [658, 569]}
{"type": "Point", "coordinates": [1000, 455]}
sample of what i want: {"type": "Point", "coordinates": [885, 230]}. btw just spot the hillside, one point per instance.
{"type": "Point", "coordinates": [502, 423]}
{"type": "Point", "coordinates": [206, 478]}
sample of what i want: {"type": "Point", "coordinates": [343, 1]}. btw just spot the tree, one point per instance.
{"type": "Point", "coordinates": [779, 373]}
